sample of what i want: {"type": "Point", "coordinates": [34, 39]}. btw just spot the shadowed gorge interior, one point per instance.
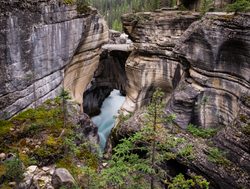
{"type": "Point", "coordinates": [161, 103]}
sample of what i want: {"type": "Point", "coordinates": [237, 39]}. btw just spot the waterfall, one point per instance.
{"type": "Point", "coordinates": [105, 120]}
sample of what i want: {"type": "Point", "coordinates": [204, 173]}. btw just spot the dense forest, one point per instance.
{"type": "Point", "coordinates": [113, 9]}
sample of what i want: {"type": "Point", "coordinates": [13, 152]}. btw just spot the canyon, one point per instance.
{"type": "Point", "coordinates": [201, 62]}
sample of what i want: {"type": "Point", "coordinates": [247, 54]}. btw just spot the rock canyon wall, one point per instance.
{"type": "Point", "coordinates": [38, 40]}
{"type": "Point", "coordinates": [152, 63]}
{"type": "Point", "coordinates": [205, 72]}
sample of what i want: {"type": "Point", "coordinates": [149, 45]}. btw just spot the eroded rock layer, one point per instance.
{"type": "Point", "coordinates": [215, 52]}
{"type": "Point", "coordinates": [212, 92]}
{"type": "Point", "coordinates": [38, 39]}
{"type": "Point", "coordinates": [151, 64]}
{"type": "Point", "coordinates": [215, 91]}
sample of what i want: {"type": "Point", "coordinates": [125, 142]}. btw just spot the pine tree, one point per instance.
{"type": "Point", "coordinates": [140, 156]}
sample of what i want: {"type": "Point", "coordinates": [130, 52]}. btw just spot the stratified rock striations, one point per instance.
{"type": "Point", "coordinates": [215, 90]}
{"type": "Point", "coordinates": [80, 71]}
{"type": "Point", "coordinates": [151, 64]}
{"type": "Point", "coordinates": [215, 53]}
{"type": "Point", "coordinates": [38, 40]}
{"type": "Point", "coordinates": [212, 89]}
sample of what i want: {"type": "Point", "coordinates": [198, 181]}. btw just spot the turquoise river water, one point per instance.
{"type": "Point", "coordinates": [106, 119]}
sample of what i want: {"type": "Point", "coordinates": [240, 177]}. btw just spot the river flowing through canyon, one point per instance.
{"type": "Point", "coordinates": [106, 119]}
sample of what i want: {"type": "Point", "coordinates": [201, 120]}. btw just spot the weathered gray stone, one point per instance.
{"type": "Point", "coordinates": [2, 156]}
{"type": "Point", "coordinates": [213, 91]}
{"type": "Point", "coordinates": [215, 52]}
{"type": "Point", "coordinates": [62, 177]}
{"type": "Point", "coordinates": [37, 41]}
{"type": "Point", "coordinates": [152, 64]}
{"type": "Point", "coordinates": [36, 178]}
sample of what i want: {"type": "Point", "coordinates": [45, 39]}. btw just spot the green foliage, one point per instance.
{"type": "Point", "coordinates": [200, 182]}
{"type": "Point", "coordinates": [201, 132]}
{"type": "Point", "coordinates": [180, 182]}
{"type": "Point", "coordinates": [206, 5]}
{"type": "Point", "coordinates": [217, 156]}
{"type": "Point", "coordinates": [68, 163]}
{"type": "Point", "coordinates": [138, 157]}
{"type": "Point", "coordinates": [114, 9]}
{"type": "Point", "coordinates": [117, 25]}
{"type": "Point", "coordinates": [124, 117]}
{"type": "Point", "coordinates": [69, 2]}
{"type": "Point", "coordinates": [64, 95]}
{"type": "Point", "coordinates": [82, 6]}
{"type": "Point", "coordinates": [14, 169]}
{"type": "Point", "coordinates": [186, 151]}
{"type": "Point", "coordinates": [239, 6]}
{"type": "Point", "coordinates": [26, 159]}
{"type": "Point", "coordinates": [5, 127]}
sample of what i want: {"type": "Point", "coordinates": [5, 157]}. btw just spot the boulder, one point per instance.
{"type": "Point", "coordinates": [62, 177]}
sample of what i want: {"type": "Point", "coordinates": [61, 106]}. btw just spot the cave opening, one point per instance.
{"type": "Point", "coordinates": [106, 92]}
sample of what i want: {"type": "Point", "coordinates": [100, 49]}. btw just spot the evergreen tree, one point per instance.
{"type": "Point", "coordinates": [239, 6]}
{"type": "Point", "coordinates": [140, 156]}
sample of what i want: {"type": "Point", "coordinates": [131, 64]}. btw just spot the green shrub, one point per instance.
{"type": "Point", "coordinates": [5, 127]}
{"type": "Point", "coordinates": [239, 6]}
{"type": "Point", "coordinates": [217, 156]}
{"type": "Point", "coordinates": [246, 129]}
{"type": "Point", "coordinates": [187, 151]}
{"type": "Point", "coordinates": [14, 170]}
{"type": "Point", "coordinates": [69, 2]}
{"type": "Point", "coordinates": [180, 182]}
{"type": "Point", "coordinates": [206, 5]}
{"type": "Point", "coordinates": [82, 6]}
{"type": "Point", "coordinates": [201, 132]}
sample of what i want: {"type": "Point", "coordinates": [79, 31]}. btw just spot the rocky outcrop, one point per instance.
{"type": "Point", "coordinates": [37, 178]}
{"type": "Point", "coordinates": [81, 69]}
{"type": "Point", "coordinates": [46, 177]}
{"type": "Point", "coordinates": [62, 178]}
{"type": "Point", "coordinates": [215, 54]}
{"type": "Point", "coordinates": [38, 40]}
{"type": "Point", "coordinates": [109, 75]}
{"type": "Point", "coordinates": [215, 90]}
{"type": "Point", "coordinates": [212, 92]}
{"type": "Point", "coordinates": [151, 64]}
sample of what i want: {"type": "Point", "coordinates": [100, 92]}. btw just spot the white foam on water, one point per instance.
{"type": "Point", "coordinates": [105, 120]}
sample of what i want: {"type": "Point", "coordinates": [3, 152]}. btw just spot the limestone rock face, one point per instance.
{"type": "Point", "coordinates": [212, 92]}
{"type": "Point", "coordinates": [151, 64]}
{"type": "Point", "coordinates": [38, 40]}
{"type": "Point", "coordinates": [80, 71]}
{"type": "Point", "coordinates": [215, 53]}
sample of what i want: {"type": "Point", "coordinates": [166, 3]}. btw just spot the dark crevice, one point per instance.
{"type": "Point", "coordinates": [109, 75]}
